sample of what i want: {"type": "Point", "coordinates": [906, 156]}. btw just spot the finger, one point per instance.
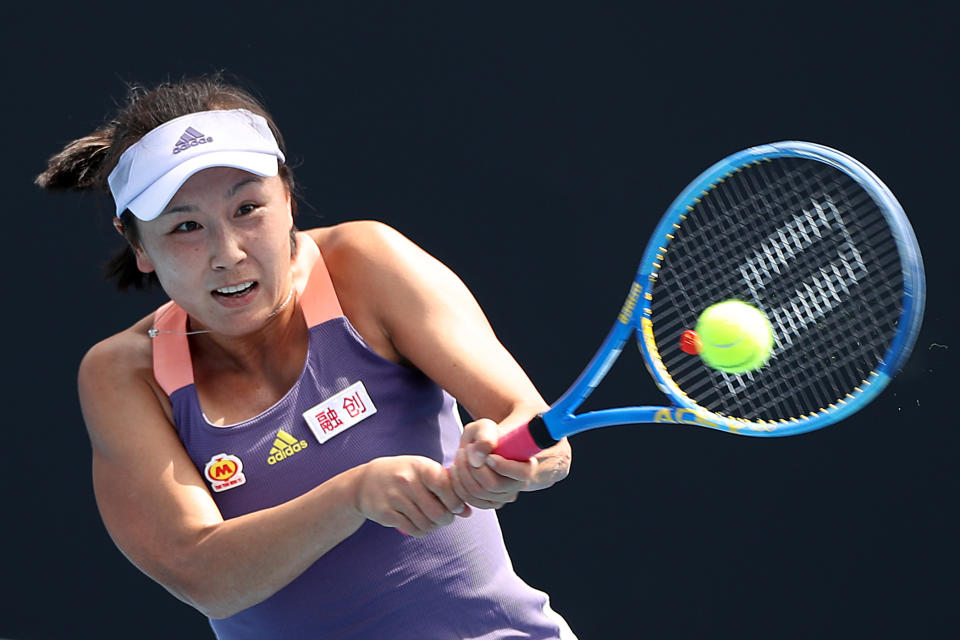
{"type": "Point", "coordinates": [469, 477]}
{"type": "Point", "coordinates": [440, 484]}
{"type": "Point", "coordinates": [522, 471]}
{"type": "Point", "coordinates": [490, 491]}
{"type": "Point", "coordinates": [460, 480]}
{"type": "Point", "coordinates": [421, 514]}
{"type": "Point", "coordinates": [455, 482]}
{"type": "Point", "coordinates": [491, 500]}
{"type": "Point", "coordinates": [477, 453]}
{"type": "Point", "coordinates": [479, 439]}
{"type": "Point", "coordinates": [404, 525]}
{"type": "Point", "coordinates": [493, 482]}
{"type": "Point", "coordinates": [431, 507]}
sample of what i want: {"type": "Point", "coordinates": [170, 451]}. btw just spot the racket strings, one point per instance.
{"type": "Point", "coordinates": [831, 285]}
{"type": "Point", "coordinates": [802, 313]}
{"type": "Point", "coordinates": [814, 300]}
{"type": "Point", "coordinates": [808, 246]}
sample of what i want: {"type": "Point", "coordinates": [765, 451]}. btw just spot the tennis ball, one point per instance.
{"type": "Point", "coordinates": [735, 337]}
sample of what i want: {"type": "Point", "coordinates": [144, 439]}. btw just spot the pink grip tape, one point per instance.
{"type": "Point", "coordinates": [517, 445]}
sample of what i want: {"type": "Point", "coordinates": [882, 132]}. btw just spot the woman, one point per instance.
{"type": "Point", "coordinates": [259, 440]}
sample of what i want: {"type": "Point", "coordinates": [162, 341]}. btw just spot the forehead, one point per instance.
{"type": "Point", "coordinates": [220, 183]}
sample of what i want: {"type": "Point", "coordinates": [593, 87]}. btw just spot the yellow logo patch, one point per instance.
{"type": "Point", "coordinates": [285, 446]}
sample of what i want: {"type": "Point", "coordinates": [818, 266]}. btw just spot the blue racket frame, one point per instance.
{"type": "Point", "coordinates": [561, 421]}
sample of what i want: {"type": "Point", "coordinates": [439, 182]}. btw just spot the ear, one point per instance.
{"type": "Point", "coordinates": [144, 263]}
{"type": "Point", "coordinates": [291, 206]}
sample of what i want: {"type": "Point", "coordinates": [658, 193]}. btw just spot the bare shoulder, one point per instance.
{"type": "Point", "coordinates": [117, 371]}
{"type": "Point", "coordinates": [368, 241]}
{"type": "Point", "coordinates": [121, 356]}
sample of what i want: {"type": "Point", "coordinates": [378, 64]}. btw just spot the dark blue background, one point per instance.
{"type": "Point", "coordinates": [531, 147]}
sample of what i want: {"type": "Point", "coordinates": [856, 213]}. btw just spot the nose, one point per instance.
{"type": "Point", "coordinates": [226, 250]}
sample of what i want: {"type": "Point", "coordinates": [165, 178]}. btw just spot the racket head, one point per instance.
{"type": "Point", "coordinates": [815, 240]}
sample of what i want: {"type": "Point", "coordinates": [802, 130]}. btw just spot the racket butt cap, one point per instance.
{"type": "Point", "coordinates": [540, 434]}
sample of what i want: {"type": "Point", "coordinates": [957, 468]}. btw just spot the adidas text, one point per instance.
{"type": "Point", "coordinates": [182, 145]}
{"type": "Point", "coordinates": [190, 138]}
{"type": "Point", "coordinates": [285, 446]}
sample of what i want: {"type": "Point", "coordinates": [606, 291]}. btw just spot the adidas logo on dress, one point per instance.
{"type": "Point", "coordinates": [190, 138]}
{"type": "Point", "coordinates": [285, 446]}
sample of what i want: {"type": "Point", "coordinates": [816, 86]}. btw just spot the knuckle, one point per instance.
{"type": "Point", "coordinates": [405, 477]}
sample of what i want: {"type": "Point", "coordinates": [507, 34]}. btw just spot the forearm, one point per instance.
{"type": "Point", "coordinates": [236, 563]}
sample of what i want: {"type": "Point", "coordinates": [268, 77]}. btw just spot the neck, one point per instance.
{"type": "Point", "coordinates": [261, 351]}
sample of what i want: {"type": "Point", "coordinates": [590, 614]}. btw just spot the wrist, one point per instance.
{"type": "Point", "coordinates": [351, 484]}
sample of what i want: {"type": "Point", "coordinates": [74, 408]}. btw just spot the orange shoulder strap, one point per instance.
{"type": "Point", "coordinates": [172, 366]}
{"type": "Point", "coordinates": [318, 299]}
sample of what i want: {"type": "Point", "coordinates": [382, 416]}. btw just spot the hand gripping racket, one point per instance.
{"type": "Point", "coordinates": [804, 233]}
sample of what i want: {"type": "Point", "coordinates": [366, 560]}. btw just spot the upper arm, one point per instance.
{"type": "Point", "coordinates": [150, 496]}
{"type": "Point", "coordinates": [430, 317]}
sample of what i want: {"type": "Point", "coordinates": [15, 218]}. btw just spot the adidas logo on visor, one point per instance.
{"type": "Point", "coordinates": [190, 138]}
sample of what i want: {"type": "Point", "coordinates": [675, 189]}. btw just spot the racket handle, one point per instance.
{"type": "Point", "coordinates": [525, 441]}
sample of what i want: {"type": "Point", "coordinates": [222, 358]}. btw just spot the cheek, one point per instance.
{"type": "Point", "coordinates": [172, 265]}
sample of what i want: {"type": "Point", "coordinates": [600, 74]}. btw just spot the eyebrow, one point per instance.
{"type": "Point", "coordinates": [232, 191]}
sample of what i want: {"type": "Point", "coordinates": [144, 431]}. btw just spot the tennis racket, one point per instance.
{"type": "Point", "coordinates": [801, 231]}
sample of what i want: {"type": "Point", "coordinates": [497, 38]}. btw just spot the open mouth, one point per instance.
{"type": "Point", "coordinates": [236, 290]}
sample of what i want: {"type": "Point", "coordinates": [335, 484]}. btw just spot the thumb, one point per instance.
{"type": "Point", "coordinates": [480, 438]}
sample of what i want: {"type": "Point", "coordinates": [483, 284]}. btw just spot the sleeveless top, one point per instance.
{"type": "Point", "coordinates": [348, 407]}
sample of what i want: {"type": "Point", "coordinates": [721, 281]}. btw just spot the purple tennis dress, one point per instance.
{"type": "Point", "coordinates": [348, 407]}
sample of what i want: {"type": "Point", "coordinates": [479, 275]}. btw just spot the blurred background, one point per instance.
{"type": "Point", "coordinates": [531, 147]}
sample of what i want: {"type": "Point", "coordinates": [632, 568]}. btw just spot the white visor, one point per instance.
{"type": "Point", "coordinates": [151, 171]}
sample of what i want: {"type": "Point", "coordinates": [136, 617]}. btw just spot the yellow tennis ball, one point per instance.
{"type": "Point", "coordinates": [736, 337]}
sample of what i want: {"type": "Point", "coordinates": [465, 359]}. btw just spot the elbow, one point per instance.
{"type": "Point", "coordinates": [220, 611]}
{"type": "Point", "coordinates": [205, 595]}
{"type": "Point", "coordinates": [192, 567]}
{"type": "Point", "coordinates": [195, 584]}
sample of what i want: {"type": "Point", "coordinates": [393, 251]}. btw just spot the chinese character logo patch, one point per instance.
{"type": "Point", "coordinates": [340, 412]}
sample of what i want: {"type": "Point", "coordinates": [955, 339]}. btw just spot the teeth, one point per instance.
{"type": "Point", "coordinates": [235, 288]}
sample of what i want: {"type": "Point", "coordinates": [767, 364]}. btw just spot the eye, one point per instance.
{"type": "Point", "coordinates": [186, 226]}
{"type": "Point", "coordinates": [245, 209]}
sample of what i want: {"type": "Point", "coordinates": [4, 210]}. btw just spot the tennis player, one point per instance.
{"type": "Point", "coordinates": [272, 445]}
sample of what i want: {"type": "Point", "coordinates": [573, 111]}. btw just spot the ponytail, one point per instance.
{"type": "Point", "coordinates": [82, 166]}
{"type": "Point", "coordinates": [78, 166]}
